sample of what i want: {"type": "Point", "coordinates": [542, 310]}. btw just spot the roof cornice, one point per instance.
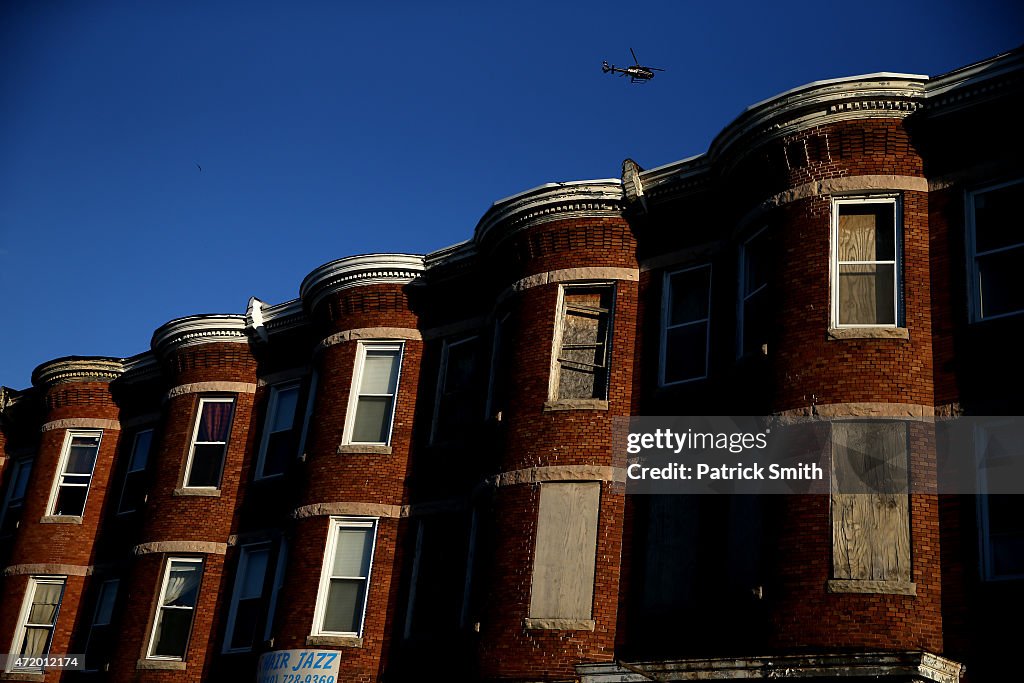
{"type": "Point", "coordinates": [198, 329]}
{"type": "Point", "coordinates": [140, 368]}
{"type": "Point", "coordinates": [359, 271]}
{"type": "Point", "coordinates": [77, 369]}
{"type": "Point", "coordinates": [551, 202]}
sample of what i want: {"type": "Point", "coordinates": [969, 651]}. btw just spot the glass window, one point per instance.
{"type": "Point", "coordinates": [866, 280]}
{"type": "Point", "coordinates": [209, 442]}
{"type": "Point", "coordinates": [996, 245]}
{"type": "Point", "coordinates": [279, 443]}
{"type": "Point", "coordinates": [134, 491]}
{"type": "Point", "coordinates": [176, 607]}
{"type": "Point", "coordinates": [74, 477]}
{"type": "Point", "coordinates": [1001, 514]}
{"type": "Point", "coordinates": [753, 321]}
{"type": "Point", "coordinates": [341, 602]}
{"type": "Point", "coordinates": [686, 325]}
{"type": "Point", "coordinates": [247, 604]}
{"type": "Point", "coordinates": [458, 404]}
{"type": "Point", "coordinates": [101, 634]}
{"type": "Point", "coordinates": [10, 515]}
{"type": "Point", "coordinates": [374, 386]}
{"type": "Point", "coordinates": [582, 341]}
{"type": "Point", "coordinates": [38, 618]}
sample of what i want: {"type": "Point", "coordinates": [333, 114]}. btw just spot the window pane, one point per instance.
{"type": "Point", "coordinates": [686, 352]}
{"type": "Point", "coordinates": [105, 603]}
{"type": "Point", "coordinates": [255, 569]}
{"type": "Point", "coordinates": [140, 451]}
{"type": "Point", "coordinates": [380, 372]}
{"type": "Point", "coordinates": [373, 413]}
{"type": "Point", "coordinates": [461, 366]}
{"type": "Point", "coordinates": [866, 232]}
{"type": "Point", "coordinates": [81, 456]}
{"type": "Point", "coordinates": [20, 480]}
{"type": "Point", "coordinates": [344, 606]}
{"type": "Point", "coordinates": [352, 552]}
{"type": "Point", "coordinates": [756, 322]}
{"type": "Point", "coordinates": [45, 602]}
{"type": "Point", "coordinates": [36, 643]}
{"type": "Point", "coordinates": [182, 584]}
{"type": "Point", "coordinates": [284, 410]}
{"type": "Point", "coordinates": [866, 295]}
{"type": "Point", "coordinates": [71, 500]}
{"type": "Point", "coordinates": [101, 643]}
{"type": "Point", "coordinates": [996, 217]}
{"type": "Point", "coordinates": [755, 273]}
{"type": "Point", "coordinates": [206, 465]}
{"type": "Point", "coordinates": [999, 279]}
{"type": "Point", "coordinates": [172, 632]}
{"type": "Point", "coordinates": [688, 295]}
{"type": "Point", "coordinates": [247, 622]}
{"type": "Point", "coordinates": [280, 449]}
{"type": "Point", "coordinates": [215, 421]}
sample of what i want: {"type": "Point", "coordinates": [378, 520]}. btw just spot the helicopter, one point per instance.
{"type": "Point", "coordinates": [636, 73]}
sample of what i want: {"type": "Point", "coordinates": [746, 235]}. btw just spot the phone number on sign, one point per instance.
{"type": "Point", "coordinates": [297, 678]}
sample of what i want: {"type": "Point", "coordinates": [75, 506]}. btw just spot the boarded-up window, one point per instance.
{"type": "Point", "coordinates": [585, 331]}
{"type": "Point", "coordinates": [563, 563]}
{"type": "Point", "coordinates": [866, 285]}
{"type": "Point", "coordinates": [870, 512]}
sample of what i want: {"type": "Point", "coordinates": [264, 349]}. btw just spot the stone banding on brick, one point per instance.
{"type": "Point", "coordinates": [206, 547]}
{"type": "Point", "coordinates": [211, 387]}
{"type": "Point", "coordinates": [56, 569]}
{"type": "Point", "coordinates": [81, 423]}
{"type": "Point", "coordinates": [354, 509]}
{"type": "Point", "coordinates": [534, 475]}
{"type": "Point", "coordinates": [369, 333]}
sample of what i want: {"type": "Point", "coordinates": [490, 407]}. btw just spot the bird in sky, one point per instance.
{"type": "Point", "coordinates": [199, 167]}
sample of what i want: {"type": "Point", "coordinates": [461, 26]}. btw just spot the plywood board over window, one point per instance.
{"type": "Point", "coordinates": [564, 559]}
{"type": "Point", "coordinates": [870, 511]}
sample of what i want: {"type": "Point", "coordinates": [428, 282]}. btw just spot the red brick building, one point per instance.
{"type": "Point", "coordinates": [407, 471]}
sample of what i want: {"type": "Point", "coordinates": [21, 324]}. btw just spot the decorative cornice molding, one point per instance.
{"type": "Point", "coordinates": [551, 202]}
{"type": "Point", "coordinates": [359, 271]}
{"type": "Point", "coordinates": [199, 329]}
{"type": "Point", "coordinates": [140, 368]}
{"type": "Point", "coordinates": [77, 369]}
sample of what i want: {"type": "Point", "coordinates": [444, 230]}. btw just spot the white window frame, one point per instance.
{"type": "Point", "coordinates": [195, 434]}
{"type": "Point", "coordinates": [17, 466]}
{"type": "Point", "coordinates": [65, 452]}
{"type": "Point", "coordinates": [555, 372]}
{"type": "Point", "coordinates": [666, 308]}
{"type": "Point", "coordinates": [742, 295]}
{"type": "Point", "coordinates": [896, 262]}
{"type": "Point", "coordinates": [446, 348]}
{"type": "Point", "coordinates": [973, 284]}
{"type": "Point", "coordinates": [131, 463]}
{"type": "Point", "coordinates": [338, 523]}
{"type": "Point", "coordinates": [236, 597]}
{"type": "Point", "coordinates": [357, 379]}
{"type": "Point", "coordinates": [96, 611]}
{"type": "Point", "coordinates": [275, 390]}
{"type": "Point", "coordinates": [22, 625]}
{"type": "Point", "coordinates": [984, 543]}
{"type": "Point", "coordinates": [158, 611]}
{"type": "Point", "coordinates": [279, 569]}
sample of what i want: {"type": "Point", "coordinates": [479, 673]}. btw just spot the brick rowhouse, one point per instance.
{"type": "Point", "coordinates": [410, 466]}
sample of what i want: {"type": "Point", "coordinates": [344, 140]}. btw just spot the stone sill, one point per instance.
{"type": "Point", "coordinates": [367, 449]}
{"type": "Point", "coordinates": [337, 641]}
{"type": "Point", "coordinates": [159, 665]}
{"type": "Point", "coordinates": [837, 333]}
{"type": "Point", "coordinates": [576, 404]}
{"type": "Point", "coordinates": [21, 676]}
{"type": "Point", "coordinates": [197, 492]}
{"type": "Point", "coordinates": [61, 519]}
{"type": "Point", "coordinates": [560, 624]}
{"type": "Point", "coordinates": [884, 587]}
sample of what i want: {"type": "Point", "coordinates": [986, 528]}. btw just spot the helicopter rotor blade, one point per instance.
{"type": "Point", "coordinates": [654, 68]}
{"type": "Point", "coordinates": [634, 56]}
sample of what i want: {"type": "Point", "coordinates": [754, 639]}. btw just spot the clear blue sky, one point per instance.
{"type": "Point", "coordinates": [326, 129]}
